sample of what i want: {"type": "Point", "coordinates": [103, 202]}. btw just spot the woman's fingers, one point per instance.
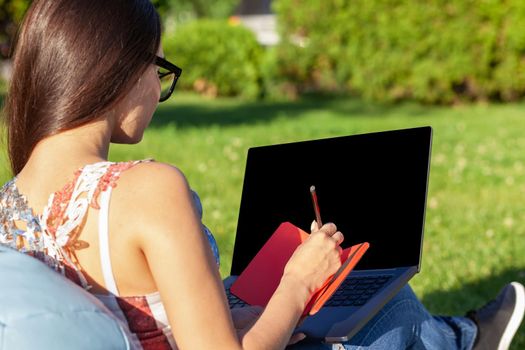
{"type": "Point", "coordinates": [314, 227]}
{"type": "Point", "coordinates": [338, 236]}
{"type": "Point", "coordinates": [318, 257]}
{"type": "Point", "coordinates": [330, 230]}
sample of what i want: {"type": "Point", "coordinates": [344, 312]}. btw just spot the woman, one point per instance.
{"type": "Point", "coordinates": [86, 74]}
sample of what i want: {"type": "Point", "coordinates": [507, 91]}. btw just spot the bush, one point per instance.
{"type": "Point", "coordinates": [217, 58]}
{"type": "Point", "coordinates": [195, 8]}
{"type": "Point", "coordinates": [436, 51]}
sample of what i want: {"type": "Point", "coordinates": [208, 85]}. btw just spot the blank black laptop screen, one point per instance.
{"type": "Point", "coordinates": [372, 186]}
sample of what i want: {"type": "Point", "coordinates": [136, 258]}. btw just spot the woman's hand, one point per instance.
{"type": "Point", "coordinates": [317, 258]}
{"type": "Point", "coordinates": [311, 264]}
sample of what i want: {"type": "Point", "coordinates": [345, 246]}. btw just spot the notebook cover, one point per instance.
{"type": "Point", "coordinates": [349, 258]}
{"type": "Point", "coordinates": [257, 283]}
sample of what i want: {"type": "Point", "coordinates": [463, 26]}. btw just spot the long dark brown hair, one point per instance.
{"type": "Point", "coordinates": [73, 61]}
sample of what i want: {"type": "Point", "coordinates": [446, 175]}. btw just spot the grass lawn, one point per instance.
{"type": "Point", "coordinates": [475, 224]}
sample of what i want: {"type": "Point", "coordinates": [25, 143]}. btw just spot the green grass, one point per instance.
{"type": "Point", "coordinates": [475, 224]}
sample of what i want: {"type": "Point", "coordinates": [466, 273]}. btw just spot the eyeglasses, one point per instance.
{"type": "Point", "coordinates": [168, 76]}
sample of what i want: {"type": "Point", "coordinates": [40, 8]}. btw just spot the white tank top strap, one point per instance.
{"type": "Point", "coordinates": [103, 234]}
{"type": "Point", "coordinates": [103, 223]}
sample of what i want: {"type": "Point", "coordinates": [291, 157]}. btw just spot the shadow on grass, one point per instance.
{"type": "Point", "coordinates": [473, 295]}
{"type": "Point", "coordinates": [200, 112]}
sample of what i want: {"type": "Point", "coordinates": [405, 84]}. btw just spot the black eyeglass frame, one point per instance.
{"type": "Point", "coordinates": [173, 69]}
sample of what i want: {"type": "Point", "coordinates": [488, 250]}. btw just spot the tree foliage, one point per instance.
{"type": "Point", "coordinates": [217, 58]}
{"type": "Point", "coordinates": [436, 51]}
{"type": "Point", "coordinates": [12, 12]}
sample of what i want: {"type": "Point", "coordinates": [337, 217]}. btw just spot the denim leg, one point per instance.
{"type": "Point", "coordinates": [404, 323]}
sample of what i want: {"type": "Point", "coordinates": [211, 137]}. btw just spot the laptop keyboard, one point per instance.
{"type": "Point", "coordinates": [234, 301]}
{"type": "Point", "coordinates": [354, 291]}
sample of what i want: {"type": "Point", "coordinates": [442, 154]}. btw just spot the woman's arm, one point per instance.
{"type": "Point", "coordinates": [180, 260]}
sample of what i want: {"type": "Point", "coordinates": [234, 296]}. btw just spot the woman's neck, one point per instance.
{"type": "Point", "coordinates": [71, 149]}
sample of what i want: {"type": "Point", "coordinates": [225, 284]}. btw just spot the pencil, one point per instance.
{"type": "Point", "coordinates": [316, 207]}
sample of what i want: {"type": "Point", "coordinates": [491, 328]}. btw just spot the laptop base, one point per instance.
{"type": "Point", "coordinates": [334, 324]}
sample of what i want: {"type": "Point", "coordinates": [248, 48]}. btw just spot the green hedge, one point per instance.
{"type": "Point", "coordinates": [217, 58]}
{"type": "Point", "coordinates": [436, 51]}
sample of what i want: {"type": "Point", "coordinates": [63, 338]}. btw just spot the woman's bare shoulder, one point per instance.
{"type": "Point", "coordinates": [154, 174]}
{"type": "Point", "coordinates": [151, 180]}
{"type": "Point", "coordinates": [148, 192]}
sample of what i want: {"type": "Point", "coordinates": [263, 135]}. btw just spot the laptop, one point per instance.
{"type": "Point", "coordinates": [372, 186]}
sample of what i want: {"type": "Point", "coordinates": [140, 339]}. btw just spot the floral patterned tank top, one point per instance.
{"type": "Point", "coordinates": [53, 237]}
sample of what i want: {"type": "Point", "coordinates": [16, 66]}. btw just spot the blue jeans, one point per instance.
{"type": "Point", "coordinates": [404, 323]}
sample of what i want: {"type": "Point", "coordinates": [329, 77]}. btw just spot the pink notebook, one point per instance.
{"type": "Point", "coordinates": [257, 283]}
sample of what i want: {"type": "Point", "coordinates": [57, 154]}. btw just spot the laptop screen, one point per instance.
{"type": "Point", "coordinates": [372, 186]}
